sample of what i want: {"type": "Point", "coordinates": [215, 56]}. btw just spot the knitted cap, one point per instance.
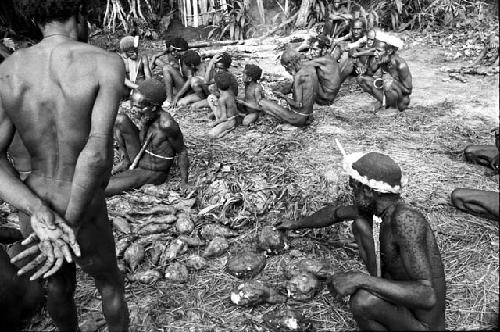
{"type": "Point", "coordinates": [289, 55]}
{"type": "Point", "coordinates": [153, 90]}
{"type": "Point", "coordinates": [375, 170]}
{"type": "Point", "coordinates": [129, 42]}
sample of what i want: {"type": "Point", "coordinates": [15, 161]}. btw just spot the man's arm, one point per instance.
{"type": "Point", "coordinates": [12, 190]}
{"type": "Point", "coordinates": [147, 69]}
{"type": "Point", "coordinates": [410, 232]}
{"type": "Point", "coordinates": [325, 217]}
{"type": "Point", "coordinates": [176, 139]}
{"type": "Point", "coordinates": [182, 91]}
{"type": "Point", "coordinates": [156, 56]}
{"type": "Point", "coordinates": [95, 160]}
{"type": "Point", "coordinates": [405, 82]}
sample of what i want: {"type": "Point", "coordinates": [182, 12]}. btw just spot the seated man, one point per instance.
{"type": "Point", "coordinates": [316, 81]}
{"type": "Point", "coordinates": [474, 201]}
{"type": "Point", "coordinates": [147, 154]}
{"type": "Point", "coordinates": [395, 86]}
{"type": "Point", "coordinates": [137, 67]}
{"type": "Point", "coordinates": [220, 62]}
{"type": "Point", "coordinates": [20, 298]}
{"type": "Point", "coordinates": [405, 287]}
{"type": "Point", "coordinates": [225, 116]}
{"type": "Point", "coordinates": [254, 93]}
{"type": "Point", "coordinates": [192, 78]}
{"type": "Point", "coordinates": [174, 49]}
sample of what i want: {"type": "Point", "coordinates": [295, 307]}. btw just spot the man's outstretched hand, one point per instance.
{"type": "Point", "coordinates": [345, 283]}
{"type": "Point", "coordinates": [53, 239]}
{"type": "Point", "coordinates": [287, 225]}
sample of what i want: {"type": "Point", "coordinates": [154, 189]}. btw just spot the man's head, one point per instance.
{"type": "Point", "coordinates": [70, 14]}
{"type": "Point", "coordinates": [149, 96]}
{"type": "Point", "coordinates": [383, 52]}
{"type": "Point", "coordinates": [318, 45]}
{"type": "Point", "coordinates": [177, 46]}
{"type": "Point", "coordinates": [191, 59]}
{"type": "Point", "coordinates": [373, 176]}
{"type": "Point", "coordinates": [130, 46]}
{"type": "Point", "coordinates": [357, 29]}
{"type": "Point", "coordinates": [252, 73]}
{"type": "Point", "coordinates": [223, 80]}
{"type": "Point", "coordinates": [290, 59]}
{"type": "Point", "coordinates": [224, 62]}
{"type": "Point", "coordinates": [370, 38]}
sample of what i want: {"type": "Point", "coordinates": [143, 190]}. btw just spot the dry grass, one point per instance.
{"type": "Point", "coordinates": [303, 168]}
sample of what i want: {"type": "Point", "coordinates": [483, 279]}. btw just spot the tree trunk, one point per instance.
{"type": "Point", "coordinates": [260, 6]}
{"type": "Point", "coordinates": [303, 13]}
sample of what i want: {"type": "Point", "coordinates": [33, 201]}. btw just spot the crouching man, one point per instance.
{"type": "Point", "coordinates": [147, 154]}
{"type": "Point", "coordinates": [405, 287]}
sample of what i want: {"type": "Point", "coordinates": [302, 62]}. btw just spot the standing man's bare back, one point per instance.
{"type": "Point", "coordinates": [62, 96]}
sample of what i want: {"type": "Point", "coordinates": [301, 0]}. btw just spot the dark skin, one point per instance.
{"type": "Point", "coordinates": [143, 72]}
{"type": "Point", "coordinates": [193, 88]}
{"type": "Point", "coordinates": [410, 295]}
{"type": "Point", "coordinates": [398, 84]}
{"type": "Point", "coordinates": [164, 138]}
{"type": "Point", "coordinates": [254, 93]}
{"type": "Point", "coordinates": [228, 110]}
{"type": "Point", "coordinates": [20, 298]}
{"type": "Point", "coordinates": [480, 202]}
{"type": "Point", "coordinates": [66, 122]}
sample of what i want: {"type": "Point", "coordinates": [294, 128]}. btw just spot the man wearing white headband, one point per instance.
{"type": "Point", "coordinates": [405, 287]}
{"type": "Point", "coordinates": [394, 88]}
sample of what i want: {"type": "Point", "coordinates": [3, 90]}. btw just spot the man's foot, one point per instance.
{"type": "Point", "coordinates": [375, 107]}
{"type": "Point", "coordinates": [122, 166]}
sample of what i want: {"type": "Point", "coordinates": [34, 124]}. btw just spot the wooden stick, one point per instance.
{"type": "Point", "coordinates": [141, 152]}
{"type": "Point", "coordinates": [376, 242]}
{"type": "Point", "coordinates": [340, 147]}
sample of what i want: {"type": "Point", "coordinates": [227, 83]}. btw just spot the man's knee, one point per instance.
{"type": "Point", "coordinates": [61, 286]}
{"type": "Point", "coordinates": [121, 120]}
{"type": "Point", "coordinates": [363, 303]}
{"type": "Point", "coordinates": [457, 197]}
{"type": "Point", "coordinates": [470, 152]}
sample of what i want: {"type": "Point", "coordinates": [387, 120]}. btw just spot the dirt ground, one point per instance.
{"type": "Point", "coordinates": [426, 140]}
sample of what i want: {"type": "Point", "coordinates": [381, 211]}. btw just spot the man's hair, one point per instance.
{"type": "Point", "coordinates": [358, 21]}
{"type": "Point", "coordinates": [290, 55]}
{"type": "Point", "coordinates": [44, 11]}
{"type": "Point", "coordinates": [253, 71]}
{"type": "Point", "coordinates": [322, 40]}
{"type": "Point", "coordinates": [223, 80]}
{"type": "Point", "coordinates": [191, 59]}
{"type": "Point", "coordinates": [153, 90]}
{"type": "Point", "coordinates": [180, 43]}
{"type": "Point", "coordinates": [226, 59]}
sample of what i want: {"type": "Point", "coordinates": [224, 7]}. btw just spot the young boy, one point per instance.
{"type": "Point", "coordinates": [227, 106]}
{"type": "Point", "coordinates": [253, 94]}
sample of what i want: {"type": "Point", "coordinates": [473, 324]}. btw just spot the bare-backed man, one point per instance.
{"type": "Point", "coordinates": [62, 96]}
{"type": "Point", "coordinates": [405, 287]}
{"type": "Point", "coordinates": [316, 81]}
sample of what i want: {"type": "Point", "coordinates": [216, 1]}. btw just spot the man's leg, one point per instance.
{"type": "Point", "coordinates": [200, 105]}
{"type": "Point", "coordinates": [363, 234]}
{"type": "Point", "coordinates": [282, 113]}
{"type": "Point", "coordinates": [126, 135]}
{"type": "Point", "coordinates": [222, 128]}
{"type": "Point", "coordinates": [481, 154]}
{"type": "Point", "coordinates": [189, 99]}
{"type": "Point", "coordinates": [98, 259]}
{"type": "Point", "coordinates": [133, 179]}
{"type": "Point", "coordinates": [250, 118]}
{"type": "Point", "coordinates": [375, 314]}
{"type": "Point", "coordinates": [19, 297]}
{"type": "Point", "coordinates": [481, 202]}
{"type": "Point", "coordinates": [173, 79]}
{"type": "Point", "coordinates": [366, 83]}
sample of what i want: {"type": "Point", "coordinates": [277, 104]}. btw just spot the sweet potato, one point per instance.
{"type": "Point", "coordinates": [121, 224]}
{"type": "Point", "coordinates": [153, 228]}
{"type": "Point", "coordinates": [287, 320]}
{"type": "Point", "coordinates": [246, 264]}
{"type": "Point", "coordinates": [184, 223]}
{"type": "Point", "coordinates": [146, 277]}
{"type": "Point", "coordinates": [272, 241]}
{"type": "Point", "coordinates": [177, 272]}
{"type": "Point", "coordinates": [175, 248]}
{"type": "Point", "coordinates": [303, 287]}
{"type": "Point", "coordinates": [212, 231]}
{"type": "Point", "coordinates": [216, 247]}
{"type": "Point", "coordinates": [195, 262]}
{"type": "Point", "coordinates": [134, 255]}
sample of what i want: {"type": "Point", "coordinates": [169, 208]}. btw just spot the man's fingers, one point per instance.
{"type": "Point", "coordinates": [31, 265]}
{"type": "Point", "coordinates": [63, 247]}
{"type": "Point", "coordinates": [70, 238]}
{"type": "Point", "coordinates": [43, 270]}
{"type": "Point", "coordinates": [58, 263]}
{"type": "Point", "coordinates": [30, 239]}
{"type": "Point", "coordinates": [25, 253]}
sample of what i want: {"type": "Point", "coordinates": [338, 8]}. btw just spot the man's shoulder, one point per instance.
{"type": "Point", "coordinates": [406, 218]}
